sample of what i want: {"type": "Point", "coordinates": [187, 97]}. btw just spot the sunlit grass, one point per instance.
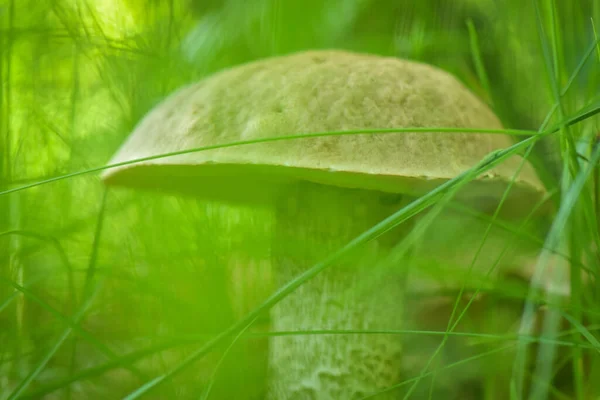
{"type": "Point", "coordinates": [128, 296]}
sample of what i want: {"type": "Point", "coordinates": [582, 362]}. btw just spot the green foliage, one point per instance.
{"type": "Point", "coordinates": [101, 293]}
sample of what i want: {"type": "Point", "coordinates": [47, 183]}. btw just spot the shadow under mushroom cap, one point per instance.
{"type": "Point", "coordinates": [319, 91]}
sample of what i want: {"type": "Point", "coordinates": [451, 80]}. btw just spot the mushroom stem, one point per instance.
{"type": "Point", "coordinates": [358, 293]}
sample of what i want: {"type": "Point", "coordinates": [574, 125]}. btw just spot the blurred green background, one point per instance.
{"type": "Point", "coordinates": [77, 75]}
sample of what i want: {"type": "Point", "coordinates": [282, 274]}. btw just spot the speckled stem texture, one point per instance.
{"type": "Point", "coordinates": [360, 292]}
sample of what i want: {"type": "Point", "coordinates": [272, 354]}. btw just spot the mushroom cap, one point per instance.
{"type": "Point", "coordinates": [317, 91]}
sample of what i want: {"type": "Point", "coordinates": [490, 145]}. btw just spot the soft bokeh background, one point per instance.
{"type": "Point", "coordinates": [77, 75]}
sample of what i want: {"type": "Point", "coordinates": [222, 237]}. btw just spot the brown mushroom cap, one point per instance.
{"type": "Point", "coordinates": [318, 91]}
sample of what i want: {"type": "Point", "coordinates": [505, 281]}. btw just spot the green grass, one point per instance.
{"type": "Point", "coordinates": [108, 294]}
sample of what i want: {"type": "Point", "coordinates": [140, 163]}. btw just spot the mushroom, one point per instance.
{"type": "Point", "coordinates": [325, 190]}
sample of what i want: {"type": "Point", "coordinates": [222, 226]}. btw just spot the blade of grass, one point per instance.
{"type": "Point", "coordinates": [478, 61]}
{"type": "Point", "coordinates": [546, 354]}
{"type": "Point", "coordinates": [552, 241]}
{"type": "Point", "coordinates": [571, 241]}
{"type": "Point", "coordinates": [531, 339]}
{"type": "Point", "coordinates": [138, 355]}
{"type": "Point", "coordinates": [222, 359]}
{"type": "Point", "coordinates": [15, 293]}
{"type": "Point", "coordinates": [445, 367]}
{"type": "Point", "coordinates": [73, 323]}
{"type": "Point", "coordinates": [59, 316]}
{"type": "Point", "coordinates": [41, 364]}
{"type": "Point", "coordinates": [452, 325]}
{"type": "Point", "coordinates": [593, 46]}
{"type": "Point", "coordinates": [514, 132]}
{"type": "Point", "coordinates": [11, 265]}
{"type": "Point", "coordinates": [583, 331]}
{"type": "Point", "coordinates": [589, 112]}
{"type": "Point", "coordinates": [55, 243]}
